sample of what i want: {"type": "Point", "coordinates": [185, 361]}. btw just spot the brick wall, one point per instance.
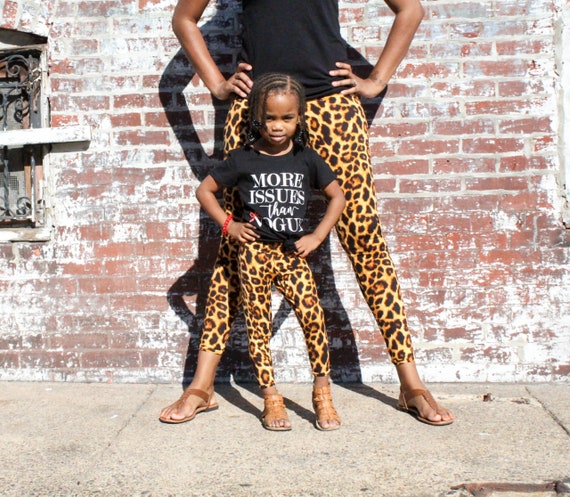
{"type": "Point", "coordinates": [469, 168]}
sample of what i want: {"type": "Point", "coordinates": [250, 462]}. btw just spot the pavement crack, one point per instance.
{"type": "Point", "coordinates": [133, 415]}
{"type": "Point", "coordinates": [557, 420]}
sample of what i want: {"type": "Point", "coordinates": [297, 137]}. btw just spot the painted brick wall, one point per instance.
{"type": "Point", "coordinates": [469, 168]}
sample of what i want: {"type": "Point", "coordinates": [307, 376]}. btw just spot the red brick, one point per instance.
{"type": "Point", "coordinates": [508, 183]}
{"type": "Point", "coordinates": [102, 359]}
{"type": "Point", "coordinates": [510, 257]}
{"type": "Point", "coordinates": [450, 165]}
{"type": "Point", "coordinates": [523, 163]}
{"type": "Point", "coordinates": [48, 359]}
{"type": "Point", "coordinates": [105, 8]}
{"type": "Point", "coordinates": [463, 127]}
{"type": "Point", "coordinates": [459, 89]}
{"type": "Point", "coordinates": [131, 119]}
{"type": "Point", "coordinates": [428, 147]}
{"type": "Point", "coordinates": [141, 137]}
{"type": "Point", "coordinates": [10, 14]}
{"type": "Point", "coordinates": [397, 130]}
{"type": "Point", "coordinates": [9, 360]}
{"type": "Point", "coordinates": [429, 185]}
{"type": "Point", "coordinates": [492, 145]}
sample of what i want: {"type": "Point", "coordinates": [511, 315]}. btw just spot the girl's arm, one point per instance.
{"type": "Point", "coordinates": [206, 195]}
{"type": "Point", "coordinates": [185, 20]}
{"type": "Point", "coordinates": [336, 202]}
{"type": "Point", "coordinates": [408, 16]}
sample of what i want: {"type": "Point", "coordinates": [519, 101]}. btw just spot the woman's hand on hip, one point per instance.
{"type": "Point", "coordinates": [368, 88]}
{"type": "Point", "coordinates": [238, 83]}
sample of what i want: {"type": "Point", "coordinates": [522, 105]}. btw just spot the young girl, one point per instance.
{"type": "Point", "coordinates": [274, 176]}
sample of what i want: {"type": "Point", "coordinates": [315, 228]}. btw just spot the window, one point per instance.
{"type": "Point", "coordinates": [21, 170]}
{"type": "Point", "coordinates": [26, 138]}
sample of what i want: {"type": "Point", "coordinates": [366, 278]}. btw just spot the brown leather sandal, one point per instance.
{"type": "Point", "coordinates": [324, 408]}
{"type": "Point", "coordinates": [274, 410]}
{"type": "Point", "coordinates": [406, 397]}
{"type": "Point", "coordinates": [207, 406]}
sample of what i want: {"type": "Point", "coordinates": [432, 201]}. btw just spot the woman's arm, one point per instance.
{"type": "Point", "coordinates": [185, 20]}
{"type": "Point", "coordinates": [408, 16]}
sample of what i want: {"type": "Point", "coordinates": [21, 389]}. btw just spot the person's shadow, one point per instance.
{"type": "Point", "coordinates": [193, 284]}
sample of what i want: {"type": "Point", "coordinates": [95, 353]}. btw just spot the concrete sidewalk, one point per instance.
{"type": "Point", "coordinates": [61, 439]}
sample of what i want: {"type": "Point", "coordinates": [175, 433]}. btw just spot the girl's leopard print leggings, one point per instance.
{"type": "Point", "coordinates": [261, 266]}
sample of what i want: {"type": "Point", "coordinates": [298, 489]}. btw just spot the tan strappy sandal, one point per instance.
{"type": "Point", "coordinates": [208, 405]}
{"type": "Point", "coordinates": [324, 408]}
{"type": "Point", "coordinates": [406, 397]}
{"type": "Point", "coordinates": [274, 410]}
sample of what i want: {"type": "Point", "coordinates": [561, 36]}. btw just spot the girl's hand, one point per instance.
{"type": "Point", "coordinates": [306, 244]}
{"type": "Point", "coordinates": [368, 88]}
{"type": "Point", "coordinates": [242, 232]}
{"type": "Point", "coordinates": [239, 83]}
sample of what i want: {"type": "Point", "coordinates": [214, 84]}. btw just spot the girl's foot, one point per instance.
{"type": "Point", "coordinates": [327, 417]}
{"type": "Point", "coordinates": [274, 416]}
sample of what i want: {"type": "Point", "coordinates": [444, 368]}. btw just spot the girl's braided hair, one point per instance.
{"type": "Point", "coordinates": [257, 104]}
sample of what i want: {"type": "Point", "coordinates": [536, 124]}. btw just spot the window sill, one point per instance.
{"type": "Point", "coordinates": [44, 136]}
{"type": "Point", "coordinates": [42, 234]}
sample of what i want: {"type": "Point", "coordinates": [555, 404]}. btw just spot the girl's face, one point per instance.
{"type": "Point", "coordinates": [280, 119]}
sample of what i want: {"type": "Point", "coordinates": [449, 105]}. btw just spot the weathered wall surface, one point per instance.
{"type": "Point", "coordinates": [469, 169]}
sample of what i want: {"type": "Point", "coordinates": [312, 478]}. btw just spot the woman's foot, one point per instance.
{"type": "Point", "coordinates": [420, 403]}
{"type": "Point", "coordinates": [327, 417]}
{"type": "Point", "coordinates": [274, 416]}
{"type": "Point", "coordinates": [412, 400]}
{"type": "Point", "coordinates": [190, 403]}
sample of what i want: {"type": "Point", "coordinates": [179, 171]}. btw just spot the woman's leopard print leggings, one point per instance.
{"type": "Point", "coordinates": [338, 132]}
{"type": "Point", "coordinates": [261, 266]}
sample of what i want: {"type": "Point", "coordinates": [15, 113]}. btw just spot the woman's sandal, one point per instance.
{"type": "Point", "coordinates": [274, 410]}
{"type": "Point", "coordinates": [406, 397]}
{"type": "Point", "coordinates": [207, 406]}
{"type": "Point", "coordinates": [324, 408]}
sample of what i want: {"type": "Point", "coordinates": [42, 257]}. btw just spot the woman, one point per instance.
{"type": "Point", "coordinates": [302, 38]}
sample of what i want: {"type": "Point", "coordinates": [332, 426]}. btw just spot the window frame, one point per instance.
{"type": "Point", "coordinates": [42, 137]}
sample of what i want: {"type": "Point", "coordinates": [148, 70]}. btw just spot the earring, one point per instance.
{"type": "Point", "coordinates": [253, 131]}
{"type": "Point", "coordinates": [251, 136]}
{"type": "Point", "coordinates": [301, 135]}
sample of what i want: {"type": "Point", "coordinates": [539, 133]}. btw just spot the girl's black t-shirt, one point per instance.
{"type": "Point", "coordinates": [275, 190]}
{"type": "Point", "coordinates": [298, 37]}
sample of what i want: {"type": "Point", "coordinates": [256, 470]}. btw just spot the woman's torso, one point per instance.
{"type": "Point", "coordinates": [297, 37]}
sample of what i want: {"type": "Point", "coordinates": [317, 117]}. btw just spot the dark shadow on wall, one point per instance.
{"type": "Point", "coordinates": [193, 284]}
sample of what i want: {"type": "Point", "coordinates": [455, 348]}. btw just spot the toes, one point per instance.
{"type": "Point", "coordinates": [446, 414]}
{"type": "Point", "coordinates": [327, 423]}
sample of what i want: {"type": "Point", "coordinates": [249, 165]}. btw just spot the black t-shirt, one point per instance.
{"type": "Point", "coordinates": [298, 37]}
{"type": "Point", "coordinates": [275, 190]}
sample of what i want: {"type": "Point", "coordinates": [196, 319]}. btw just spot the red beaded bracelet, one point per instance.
{"type": "Point", "coordinates": [226, 224]}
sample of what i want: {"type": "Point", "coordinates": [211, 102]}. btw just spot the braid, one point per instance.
{"type": "Point", "coordinates": [257, 102]}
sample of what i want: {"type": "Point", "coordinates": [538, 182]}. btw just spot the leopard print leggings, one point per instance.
{"type": "Point", "coordinates": [338, 132]}
{"type": "Point", "coordinates": [262, 265]}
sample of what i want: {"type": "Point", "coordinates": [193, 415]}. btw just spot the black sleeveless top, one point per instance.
{"type": "Point", "coordinates": [297, 37]}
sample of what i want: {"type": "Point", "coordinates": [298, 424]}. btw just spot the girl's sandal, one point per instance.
{"type": "Point", "coordinates": [274, 410]}
{"type": "Point", "coordinates": [324, 408]}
